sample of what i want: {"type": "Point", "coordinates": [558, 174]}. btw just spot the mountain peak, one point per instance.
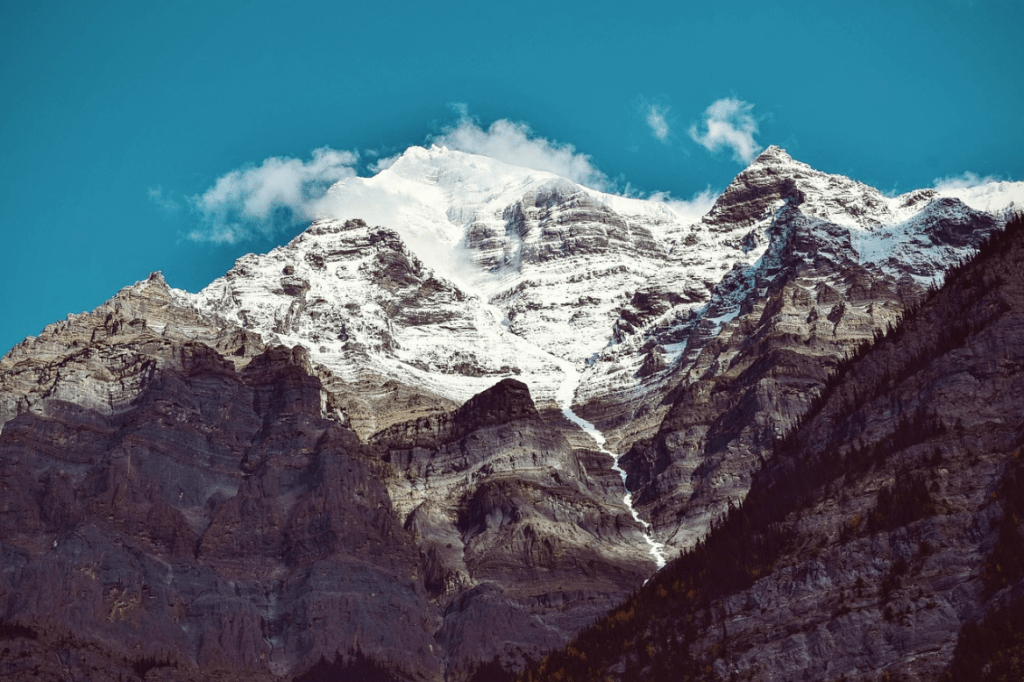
{"type": "Point", "coordinates": [758, 190]}
{"type": "Point", "coordinates": [772, 155]}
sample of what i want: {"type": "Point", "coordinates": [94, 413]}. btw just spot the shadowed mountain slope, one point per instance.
{"type": "Point", "coordinates": [221, 525]}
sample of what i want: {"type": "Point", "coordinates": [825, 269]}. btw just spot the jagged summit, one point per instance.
{"type": "Point", "coordinates": [774, 177]}
{"type": "Point", "coordinates": [436, 197]}
{"type": "Point", "coordinates": [773, 154]}
{"type": "Point", "coordinates": [449, 270]}
{"type": "Point", "coordinates": [522, 273]}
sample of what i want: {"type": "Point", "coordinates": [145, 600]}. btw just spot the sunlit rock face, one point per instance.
{"type": "Point", "coordinates": [367, 438]}
{"type": "Point", "coordinates": [483, 271]}
{"type": "Point", "coordinates": [523, 534]}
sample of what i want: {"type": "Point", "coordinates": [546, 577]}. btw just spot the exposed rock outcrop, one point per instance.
{"type": "Point", "coordinates": [103, 359]}
{"type": "Point", "coordinates": [524, 538]}
{"type": "Point", "coordinates": [784, 324]}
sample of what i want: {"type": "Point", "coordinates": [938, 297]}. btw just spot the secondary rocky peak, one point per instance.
{"type": "Point", "coordinates": [157, 277]}
{"type": "Point", "coordinates": [943, 222]}
{"type": "Point", "coordinates": [775, 177]}
{"type": "Point", "coordinates": [506, 401]}
{"type": "Point", "coordinates": [758, 190]}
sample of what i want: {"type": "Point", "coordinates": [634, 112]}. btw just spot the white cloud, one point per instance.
{"type": "Point", "coordinates": [963, 181]}
{"type": "Point", "coordinates": [258, 201]}
{"type": "Point", "coordinates": [729, 124]}
{"type": "Point", "coordinates": [383, 163]}
{"type": "Point", "coordinates": [655, 116]}
{"type": "Point", "coordinates": [514, 143]}
{"type": "Point", "coordinates": [983, 193]}
{"type": "Point", "coordinates": [692, 209]}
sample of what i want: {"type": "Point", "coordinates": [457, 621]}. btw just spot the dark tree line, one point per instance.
{"type": "Point", "coordinates": [355, 667]}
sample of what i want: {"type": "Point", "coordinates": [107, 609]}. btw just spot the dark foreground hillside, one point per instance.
{"type": "Point", "coordinates": [883, 539]}
{"type": "Point", "coordinates": [221, 527]}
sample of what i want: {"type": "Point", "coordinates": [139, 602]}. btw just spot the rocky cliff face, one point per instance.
{"type": "Point", "coordinates": [214, 512]}
{"type": "Point", "coordinates": [101, 360]}
{"type": "Point", "coordinates": [883, 525]}
{"type": "Point", "coordinates": [782, 326]}
{"type": "Point", "coordinates": [369, 438]}
{"type": "Point", "coordinates": [223, 522]}
{"type": "Point", "coordinates": [524, 538]}
{"type": "Point", "coordinates": [217, 523]}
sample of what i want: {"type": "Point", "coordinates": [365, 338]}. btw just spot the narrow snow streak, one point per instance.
{"type": "Point", "coordinates": [564, 396]}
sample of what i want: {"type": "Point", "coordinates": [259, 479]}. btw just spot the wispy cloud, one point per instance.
{"type": "Point", "coordinates": [515, 143]}
{"type": "Point", "coordinates": [165, 202]}
{"type": "Point", "coordinates": [692, 209]}
{"type": "Point", "coordinates": [383, 163]}
{"type": "Point", "coordinates": [728, 124]}
{"type": "Point", "coordinates": [962, 181]}
{"type": "Point", "coordinates": [262, 200]}
{"type": "Point", "coordinates": [655, 115]}
{"type": "Point", "coordinates": [259, 201]}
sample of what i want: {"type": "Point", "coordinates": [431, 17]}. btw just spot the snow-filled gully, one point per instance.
{"type": "Point", "coordinates": [565, 394]}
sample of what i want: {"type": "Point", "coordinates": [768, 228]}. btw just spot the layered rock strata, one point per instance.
{"type": "Point", "coordinates": [780, 328]}
{"type": "Point", "coordinates": [523, 537]}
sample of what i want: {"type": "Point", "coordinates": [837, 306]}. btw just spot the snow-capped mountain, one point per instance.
{"type": "Point", "coordinates": [881, 540]}
{"type": "Point", "coordinates": [464, 270]}
{"type": "Point", "coordinates": [434, 397]}
{"type": "Point", "coordinates": [497, 270]}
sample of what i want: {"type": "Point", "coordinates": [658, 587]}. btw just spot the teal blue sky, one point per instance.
{"type": "Point", "coordinates": [114, 116]}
